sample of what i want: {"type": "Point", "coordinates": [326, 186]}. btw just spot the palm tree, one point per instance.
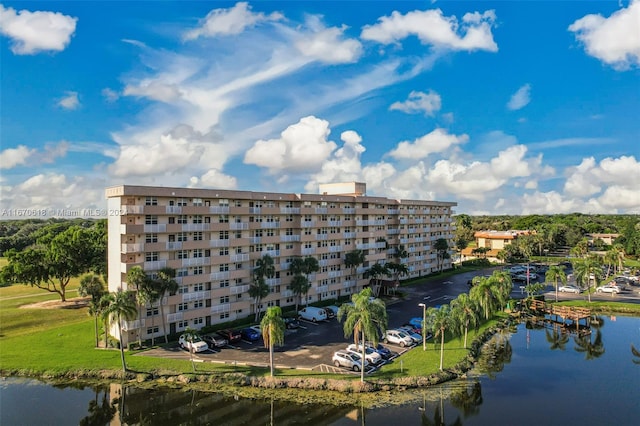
{"type": "Point", "coordinates": [441, 321]}
{"type": "Point", "coordinates": [299, 286]}
{"type": "Point", "coordinates": [482, 294]}
{"type": "Point", "coordinates": [464, 310]}
{"type": "Point", "coordinates": [165, 283]}
{"type": "Point", "coordinates": [620, 254]}
{"type": "Point", "coordinates": [272, 327]}
{"type": "Point", "coordinates": [586, 270]}
{"type": "Point", "coordinates": [303, 266]}
{"type": "Point", "coordinates": [556, 339]}
{"type": "Point", "coordinates": [591, 349]}
{"type": "Point", "coordinates": [376, 271]}
{"type": "Point", "coordinates": [122, 307]}
{"type": "Point", "coordinates": [190, 334]}
{"type": "Point", "coordinates": [502, 286]}
{"type": "Point", "coordinates": [397, 270]}
{"type": "Point", "coordinates": [365, 318]}
{"type": "Point", "coordinates": [92, 285]}
{"type": "Point", "coordinates": [138, 279]}
{"type": "Point", "coordinates": [441, 246]}
{"type": "Point", "coordinates": [554, 274]}
{"type": "Point", "coordinates": [353, 259]}
{"type": "Point", "coordinates": [259, 289]}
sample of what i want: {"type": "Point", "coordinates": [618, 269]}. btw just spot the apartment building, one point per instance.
{"type": "Point", "coordinates": [213, 238]}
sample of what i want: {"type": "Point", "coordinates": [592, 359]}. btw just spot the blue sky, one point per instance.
{"type": "Point", "coordinates": [504, 107]}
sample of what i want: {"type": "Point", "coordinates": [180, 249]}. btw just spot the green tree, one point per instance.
{"type": "Point", "coordinates": [121, 307]}
{"type": "Point", "coordinates": [353, 259]}
{"type": "Point", "coordinates": [555, 274]}
{"type": "Point", "coordinates": [91, 285]}
{"type": "Point", "coordinates": [587, 270]}
{"type": "Point", "coordinates": [441, 320]}
{"type": "Point", "coordinates": [591, 349]}
{"type": "Point", "coordinates": [53, 261]}
{"type": "Point", "coordinates": [166, 284]}
{"type": "Point", "coordinates": [365, 318]}
{"type": "Point", "coordinates": [374, 272]}
{"type": "Point", "coordinates": [299, 286]}
{"type": "Point", "coordinates": [272, 327]}
{"type": "Point", "coordinates": [464, 310]}
{"type": "Point", "coordinates": [259, 289]}
{"type": "Point", "coordinates": [138, 279]}
{"type": "Point", "coordinates": [483, 294]}
{"type": "Point", "coordinates": [305, 266]}
{"type": "Point", "coordinates": [397, 270]}
{"type": "Point", "coordinates": [442, 251]}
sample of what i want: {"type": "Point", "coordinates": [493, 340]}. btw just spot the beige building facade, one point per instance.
{"type": "Point", "coordinates": [213, 238]}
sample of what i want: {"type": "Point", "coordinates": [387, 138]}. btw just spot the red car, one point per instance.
{"type": "Point", "coordinates": [232, 336]}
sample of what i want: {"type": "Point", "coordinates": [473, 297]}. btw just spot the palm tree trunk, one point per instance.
{"type": "Point", "coordinates": [164, 324]}
{"type": "Point", "coordinates": [153, 322]}
{"type": "Point", "coordinates": [441, 348]}
{"type": "Point", "coordinates": [95, 328]}
{"type": "Point", "coordinates": [363, 360]}
{"type": "Point", "coordinates": [124, 363]}
{"type": "Point", "coordinates": [271, 350]}
{"type": "Point", "coordinates": [466, 330]}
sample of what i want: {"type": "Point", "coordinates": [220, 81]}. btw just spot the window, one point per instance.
{"type": "Point", "coordinates": [198, 252]}
{"type": "Point", "coordinates": [224, 315]}
{"type": "Point", "coordinates": [224, 267]}
{"type": "Point", "coordinates": [183, 324]}
{"type": "Point", "coordinates": [224, 283]}
{"type": "Point", "coordinates": [198, 321]}
{"type": "Point", "coordinates": [151, 238]}
{"type": "Point", "coordinates": [198, 287]}
{"type": "Point", "coordinates": [289, 218]}
{"type": "Point", "coordinates": [224, 218]}
{"type": "Point", "coordinates": [182, 254]}
{"type": "Point", "coordinates": [181, 272]}
{"type": "Point", "coordinates": [238, 203]}
{"type": "Point", "coordinates": [197, 219]}
{"type": "Point", "coordinates": [182, 236]}
{"type": "Point", "coordinates": [224, 251]}
{"type": "Point", "coordinates": [197, 202]}
{"type": "Point", "coordinates": [183, 306]}
{"type": "Point", "coordinates": [197, 236]}
{"type": "Point", "coordinates": [224, 235]}
{"type": "Point", "coordinates": [151, 220]}
{"type": "Point", "coordinates": [151, 257]}
{"type": "Point", "coordinates": [223, 202]}
{"type": "Point", "coordinates": [198, 270]}
{"type": "Point", "coordinates": [151, 201]}
{"type": "Point", "coordinates": [182, 219]}
{"type": "Point", "coordinates": [224, 299]}
{"type": "Point", "coordinates": [172, 220]}
{"type": "Point", "coordinates": [152, 311]}
{"type": "Point", "coordinates": [182, 202]}
{"type": "Point", "coordinates": [198, 304]}
{"type": "Point", "coordinates": [153, 330]}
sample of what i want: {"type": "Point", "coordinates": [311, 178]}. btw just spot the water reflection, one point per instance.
{"type": "Point", "coordinates": [636, 354]}
{"type": "Point", "coordinates": [495, 354]}
{"type": "Point", "coordinates": [592, 348]}
{"type": "Point", "coordinates": [558, 338]}
{"type": "Point", "coordinates": [101, 410]}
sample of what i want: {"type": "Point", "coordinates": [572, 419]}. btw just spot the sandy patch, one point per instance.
{"type": "Point", "coordinates": [71, 303]}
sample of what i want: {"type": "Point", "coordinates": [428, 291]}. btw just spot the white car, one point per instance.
{"type": "Point", "coordinates": [196, 344]}
{"type": "Point", "coordinates": [370, 354]}
{"type": "Point", "coordinates": [257, 328]}
{"type": "Point", "coordinates": [417, 338]}
{"type": "Point", "coordinates": [608, 289]}
{"type": "Point", "coordinates": [347, 360]}
{"type": "Point", "coordinates": [398, 337]}
{"type": "Point", "coordinates": [569, 289]}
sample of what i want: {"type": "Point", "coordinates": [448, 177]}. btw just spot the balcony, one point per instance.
{"type": "Point", "coordinates": [393, 211]}
{"type": "Point", "coordinates": [272, 253]}
{"type": "Point", "coordinates": [174, 245]}
{"type": "Point", "coordinates": [219, 209]}
{"type": "Point", "coordinates": [364, 246]}
{"type": "Point", "coordinates": [196, 261]}
{"type": "Point", "coordinates": [284, 266]}
{"type": "Point", "coordinates": [289, 238]}
{"type": "Point", "coordinates": [308, 224]}
{"type": "Point", "coordinates": [178, 316]}
{"type": "Point", "coordinates": [347, 284]}
{"type": "Point", "coordinates": [348, 210]}
{"type": "Point", "coordinates": [348, 235]}
{"type": "Point", "coordinates": [173, 209]}
{"type": "Point", "coordinates": [239, 257]}
{"type": "Point", "coordinates": [255, 240]}
{"type": "Point", "coordinates": [393, 231]}
{"type": "Point", "coordinates": [287, 293]}
{"type": "Point", "coordinates": [308, 251]}
{"type": "Point", "coordinates": [290, 210]}
{"type": "Point", "coordinates": [219, 243]}
{"type": "Point", "coordinates": [219, 309]}
{"type": "Point", "coordinates": [270, 225]}
{"type": "Point", "coordinates": [335, 249]}
{"type": "Point", "coordinates": [217, 276]}
{"type": "Point", "coordinates": [273, 281]}
{"type": "Point", "coordinates": [133, 325]}
{"type": "Point", "coordinates": [196, 295]}
{"type": "Point", "coordinates": [239, 289]}
{"type": "Point", "coordinates": [322, 289]}
{"type": "Point", "coordinates": [335, 274]}
{"type": "Point", "coordinates": [154, 265]}
{"type": "Point", "coordinates": [155, 228]}
{"type": "Point", "coordinates": [322, 210]}
{"type": "Point", "coordinates": [132, 248]}
{"type": "Point", "coordinates": [322, 237]}
{"type": "Point", "coordinates": [132, 209]}
{"type": "Point", "coordinates": [238, 226]}
{"type": "Point", "coordinates": [190, 227]}
{"type": "Point", "coordinates": [335, 223]}
{"type": "Point", "coordinates": [255, 210]}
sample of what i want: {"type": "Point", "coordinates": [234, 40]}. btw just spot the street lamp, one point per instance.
{"type": "Point", "coordinates": [424, 325]}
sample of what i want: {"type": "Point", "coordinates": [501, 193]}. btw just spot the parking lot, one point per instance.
{"type": "Point", "coordinates": [312, 345]}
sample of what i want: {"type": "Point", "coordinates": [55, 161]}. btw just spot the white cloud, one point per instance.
{"type": "Point", "coordinates": [521, 98]}
{"type": "Point", "coordinates": [614, 40]}
{"type": "Point", "coordinates": [110, 95]}
{"type": "Point", "coordinates": [70, 101]}
{"type": "Point", "coordinates": [232, 21]}
{"type": "Point", "coordinates": [214, 178]}
{"type": "Point", "coordinates": [328, 44]}
{"type": "Point", "coordinates": [436, 141]}
{"type": "Point", "coordinates": [302, 147]}
{"type": "Point", "coordinates": [427, 103]}
{"type": "Point", "coordinates": [12, 157]}
{"type": "Point", "coordinates": [432, 28]}
{"type": "Point", "coordinates": [34, 32]}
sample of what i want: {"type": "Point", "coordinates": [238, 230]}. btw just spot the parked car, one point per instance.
{"type": "Point", "coordinates": [291, 322]}
{"type": "Point", "coordinates": [347, 360]}
{"type": "Point", "coordinates": [332, 311]}
{"type": "Point", "coordinates": [195, 343]}
{"type": "Point", "coordinates": [569, 289]}
{"type": "Point", "coordinates": [608, 289]}
{"type": "Point", "coordinates": [370, 354]}
{"type": "Point", "coordinates": [257, 328]}
{"type": "Point", "coordinates": [215, 341]}
{"type": "Point", "coordinates": [312, 313]}
{"type": "Point", "coordinates": [416, 323]}
{"type": "Point", "coordinates": [232, 336]}
{"type": "Point", "coordinates": [249, 334]}
{"type": "Point", "coordinates": [397, 337]}
{"type": "Point", "coordinates": [416, 337]}
{"type": "Point", "coordinates": [384, 352]}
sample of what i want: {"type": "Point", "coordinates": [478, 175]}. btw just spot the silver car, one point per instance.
{"type": "Point", "coordinates": [347, 360]}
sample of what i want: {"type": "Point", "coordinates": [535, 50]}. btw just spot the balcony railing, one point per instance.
{"type": "Point", "coordinates": [218, 309]}
{"type": "Point", "coordinates": [273, 281]}
{"type": "Point", "coordinates": [133, 325]}
{"type": "Point", "coordinates": [196, 261]}
{"type": "Point", "coordinates": [158, 227]}
{"type": "Point", "coordinates": [238, 226]}
{"type": "Point", "coordinates": [290, 210]}
{"type": "Point", "coordinates": [154, 265]}
{"type": "Point", "coordinates": [289, 238]}
{"type": "Point", "coordinates": [195, 227]}
{"type": "Point", "coordinates": [270, 225]}
{"type": "Point", "coordinates": [239, 289]}
{"type": "Point", "coordinates": [222, 275]}
{"type": "Point", "coordinates": [335, 249]}
{"type": "Point", "coordinates": [335, 274]}
{"type": "Point", "coordinates": [178, 316]}
{"type": "Point", "coordinates": [219, 209]}
{"type": "Point", "coordinates": [239, 257]}
{"type": "Point", "coordinates": [196, 295]}
{"type": "Point", "coordinates": [173, 209]}
{"type": "Point", "coordinates": [132, 248]}
{"type": "Point", "coordinates": [219, 243]}
{"type": "Point", "coordinates": [132, 209]}
{"type": "Point", "coordinates": [308, 251]}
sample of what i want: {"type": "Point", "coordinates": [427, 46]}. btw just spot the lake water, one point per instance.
{"type": "Point", "coordinates": [532, 376]}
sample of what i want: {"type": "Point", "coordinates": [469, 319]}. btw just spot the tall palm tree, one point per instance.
{"type": "Point", "coordinates": [464, 310]}
{"type": "Point", "coordinates": [620, 254]}
{"type": "Point", "coordinates": [138, 279]}
{"type": "Point", "coordinates": [353, 259]}
{"type": "Point", "coordinates": [259, 289]}
{"type": "Point", "coordinates": [92, 285]}
{"type": "Point", "coordinates": [166, 284]}
{"type": "Point", "coordinates": [303, 266]}
{"type": "Point", "coordinates": [272, 327]}
{"type": "Point", "coordinates": [555, 274]}
{"type": "Point", "coordinates": [376, 271]}
{"type": "Point", "coordinates": [586, 268]}
{"type": "Point", "coordinates": [365, 318]}
{"type": "Point", "coordinates": [502, 286]}
{"type": "Point", "coordinates": [441, 246]}
{"type": "Point", "coordinates": [299, 286]}
{"type": "Point", "coordinates": [397, 270]}
{"type": "Point", "coordinates": [441, 321]}
{"type": "Point", "coordinates": [148, 294]}
{"type": "Point", "coordinates": [122, 307]}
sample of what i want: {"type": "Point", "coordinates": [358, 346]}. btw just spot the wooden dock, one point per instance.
{"type": "Point", "coordinates": [565, 313]}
